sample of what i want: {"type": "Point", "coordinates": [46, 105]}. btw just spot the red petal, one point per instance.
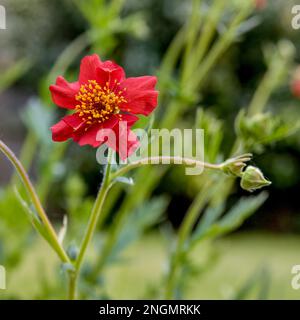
{"type": "Point", "coordinates": [140, 94]}
{"type": "Point", "coordinates": [110, 72]}
{"type": "Point", "coordinates": [90, 136]}
{"type": "Point", "coordinates": [126, 140]}
{"type": "Point", "coordinates": [65, 128]}
{"type": "Point", "coordinates": [63, 93]}
{"type": "Point", "coordinates": [129, 118]}
{"type": "Point", "coordinates": [88, 68]}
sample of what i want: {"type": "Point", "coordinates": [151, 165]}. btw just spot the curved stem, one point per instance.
{"type": "Point", "coordinates": [27, 153]}
{"type": "Point", "coordinates": [36, 201]}
{"type": "Point", "coordinates": [121, 216]}
{"type": "Point", "coordinates": [163, 160]}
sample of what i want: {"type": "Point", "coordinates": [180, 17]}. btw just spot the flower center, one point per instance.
{"type": "Point", "coordinates": [97, 103]}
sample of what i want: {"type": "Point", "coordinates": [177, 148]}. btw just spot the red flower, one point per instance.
{"type": "Point", "coordinates": [103, 98]}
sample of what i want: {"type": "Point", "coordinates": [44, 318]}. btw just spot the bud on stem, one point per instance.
{"type": "Point", "coordinates": [253, 178]}
{"type": "Point", "coordinates": [235, 166]}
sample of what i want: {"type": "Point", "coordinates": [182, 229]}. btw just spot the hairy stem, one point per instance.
{"type": "Point", "coordinates": [165, 160]}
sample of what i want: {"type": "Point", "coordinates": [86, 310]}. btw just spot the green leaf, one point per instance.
{"type": "Point", "coordinates": [35, 221]}
{"type": "Point", "coordinates": [210, 215]}
{"type": "Point", "coordinates": [33, 217]}
{"type": "Point", "coordinates": [263, 129]}
{"type": "Point", "coordinates": [235, 217]}
{"type": "Point", "coordinates": [261, 279]}
{"type": "Point", "coordinates": [125, 180]}
{"type": "Point", "coordinates": [38, 120]}
{"type": "Point", "coordinates": [142, 219]}
{"type": "Point", "coordinates": [248, 25]}
{"type": "Point", "coordinates": [213, 133]}
{"type": "Point", "coordinates": [15, 72]}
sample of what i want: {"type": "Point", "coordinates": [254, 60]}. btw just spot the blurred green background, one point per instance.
{"type": "Point", "coordinates": [258, 257]}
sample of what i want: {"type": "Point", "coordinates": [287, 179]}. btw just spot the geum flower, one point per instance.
{"type": "Point", "coordinates": [103, 99]}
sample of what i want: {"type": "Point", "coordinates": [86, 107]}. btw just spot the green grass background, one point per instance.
{"type": "Point", "coordinates": [239, 257]}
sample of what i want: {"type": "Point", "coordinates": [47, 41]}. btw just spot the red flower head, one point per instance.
{"type": "Point", "coordinates": [103, 98]}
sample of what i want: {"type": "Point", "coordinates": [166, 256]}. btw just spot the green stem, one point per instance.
{"type": "Point", "coordinates": [184, 231]}
{"type": "Point", "coordinates": [193, 28]}
{"type": "Point", "coordinates": [175, 109]}
{"type": "Point", "coordinates": [72, 286]}
{"type": "Point", "coordinates": [105, 186]}
{"type": "Point", "coordinates": [36, 201]}
{"type": "Point", "coordinates": [169, 61]}
{"type": "Point", "coordinates": [27, 153]}
{"type": "Point", "coordinates": [218, 49]}
{"type": "Point", "coordinates": [119, 221]}
{"type": "Point", "coordinates": [164, 160]}
{"type": "Point", "coordinates": [272, 78]}
{"type": "Point", "coordinates": [209, 27]}
{"type": "Point", "coordinates": [93, 219]}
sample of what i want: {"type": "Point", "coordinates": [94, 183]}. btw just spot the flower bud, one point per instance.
{"type": "Point", "coordinates": [253, 178]}
{"type": "Point", "coordinates": [235, 166]}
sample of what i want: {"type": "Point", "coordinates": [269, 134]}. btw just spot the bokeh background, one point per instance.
{"type": "Point", "coordinates": [253, 261]}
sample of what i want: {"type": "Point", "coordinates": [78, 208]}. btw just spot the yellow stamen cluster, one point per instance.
{"type": "Point", "coordinates": [97, 103]}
